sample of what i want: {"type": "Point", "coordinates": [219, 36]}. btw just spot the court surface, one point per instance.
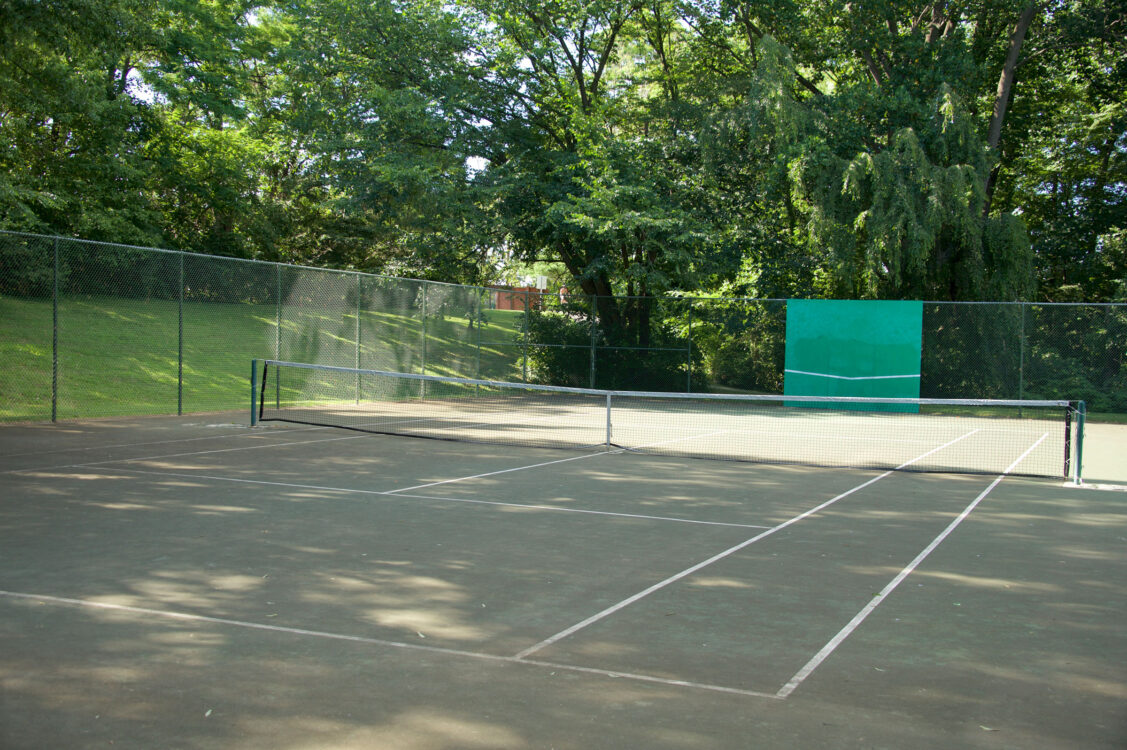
{"type": "Point", "coordinates": [190, 582]}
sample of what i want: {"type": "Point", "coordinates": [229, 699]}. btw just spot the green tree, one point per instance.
{"type": "Point", "coordinates": [205, 148]}
{"type": "Point", "coordinates": [888, 120]}
{"type": "Point", "coordinates": [384, 131]}
{"type": "Point", "coordinates": [72, 133]}
{"type": "Point", "coordinates": [925, 149]}
{"type": "Point", "coordinates": [1066, 166]}
{"type": "Point", "coordinates": [587, 151]}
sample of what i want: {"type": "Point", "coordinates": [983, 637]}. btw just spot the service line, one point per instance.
{"type": "Point", "coordinates": [438, 498]}
{"type": "Point", "coordinates": [721, 555]}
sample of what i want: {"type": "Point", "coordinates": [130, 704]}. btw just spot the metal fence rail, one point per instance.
{"type": "Point", "coordinates": [92, 329]}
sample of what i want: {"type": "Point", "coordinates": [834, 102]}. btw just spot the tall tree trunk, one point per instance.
{"type": "Point", "coordinates": [605, 305]}
{"type": "Point", "coordinates": [1005, 89]}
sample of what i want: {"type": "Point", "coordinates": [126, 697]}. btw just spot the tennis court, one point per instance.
{"type": "Point", "coordinates": [192, 582]}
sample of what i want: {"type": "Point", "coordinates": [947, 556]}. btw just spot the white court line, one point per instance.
{"type": "Point", "coordinates": [182, 455]}
{"type": "Point", "coordinates": [1094, 486]}
{"type": "Point", "coordinates": [867, 610]}
{"type": "Point", "coordinates": [582, 510]}
{"type": "Point", "coordinates": [855, 377]}
{"type": "Point", "coordinates": [217, 436]}
{"type": "Point", "coordinates": [501, 471]}
{"type": "Point", "coordinates": [471, 501]}
{"type": "Point", "coordinates": [688, 571]}
{"type": "Point", "coordinates": [720, 556]}
{"type": "Point", "coordinates": [187, 617]}
{"type": "Point", "coordinates": [519, 658]}
{"type": "Point", "coordinates": [615, 451]}
{"type": "Point", "coordinates": [684, 439]}
{"type": "Point", "coordinates": [825, 436]}
{"type": "Point", "coordinates": [372, 492]}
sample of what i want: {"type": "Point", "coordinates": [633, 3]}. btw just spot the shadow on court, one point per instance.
{"type": "Point", "coordinates": [191, 583]}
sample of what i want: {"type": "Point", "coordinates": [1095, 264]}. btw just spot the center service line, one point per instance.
{"type": "Point", "coordinates": [853, 624]}
{"type": "Point", "coordinates": [720, 556]}
{"type": "Point", "coordinates": [615, 451]}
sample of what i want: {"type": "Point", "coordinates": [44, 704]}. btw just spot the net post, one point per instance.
{"type": "Point", "coordinates": [1081, 413]}
{"type": "Point", "coordinates": [1067, 439]}
{"type": "Point", "coordinates": [254, 392]}
{"type": "Point", "coordinates": [277, 389]}
{"type": "Point", "coordinates": [608, 421]}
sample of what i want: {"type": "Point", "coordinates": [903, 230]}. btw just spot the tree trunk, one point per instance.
{"type": "Point", "coordinates": [604, 305]}
{"type": "Point", "coordinates": [1005, 88]}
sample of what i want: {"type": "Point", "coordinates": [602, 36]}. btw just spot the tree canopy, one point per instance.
{"type": "Point", "coordinates": [906, 149]}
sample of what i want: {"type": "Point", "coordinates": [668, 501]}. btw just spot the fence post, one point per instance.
{"type": "Point", "coordinates": [1021, 358]}
{"type": "Point", "coordinates": [479, 317]}
{"type": "Point", "coordinates": [689, 353]}
{"type": "Point", "coordinates": [180, 344]}
{"type": "Point", "coordinates": [594, 338]}
{"type": "Point", "coordinates": [423, 383]}
{"type": "Point", "coordinates": [55, 335]}
{"type": "Point", "coordinates": [277, 335]}
{"type": "Point", "coordinates": [278, 311]}
{"type": "Point", "coordinates": [359, 295]}
{"type": "Point", "coordinates": [524, 348]}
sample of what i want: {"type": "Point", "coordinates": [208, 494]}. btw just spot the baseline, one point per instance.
{"type": "Point", "coordinates": [188, 617]}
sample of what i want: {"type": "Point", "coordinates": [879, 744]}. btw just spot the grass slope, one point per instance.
{"type": "Point", "coordinates": [120, 357]}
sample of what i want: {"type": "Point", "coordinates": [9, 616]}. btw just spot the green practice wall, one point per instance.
{"type": "Point", "coordinates": [854, 348]}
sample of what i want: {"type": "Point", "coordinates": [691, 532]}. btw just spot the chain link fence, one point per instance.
{"type": "Point", "coordinates": [99, 330]}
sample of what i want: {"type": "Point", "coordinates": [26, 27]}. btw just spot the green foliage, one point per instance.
{"type": "Point", "coordinates": [27, 267]}
{"type": "Point", "coordinates": [1067, 164]}
{"type": "Point", "coordinates": [71, 132]}
{"type": "Point", "coordinates": [972, 349]}
{"type": "Point", "coordinates": [1079, 352]}
{"type": "Point", "coordinates": [907, 221]}
{"type": "Point", "coordinates": [560, 349]}
{"type": "Point", "coordinates": [779, 148]}
{"type": "Point", "coordinates": [741, 343]}
{"type": "Point", "coordinates": [563, 343]}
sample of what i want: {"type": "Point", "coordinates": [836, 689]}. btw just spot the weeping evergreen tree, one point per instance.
{"type": "Point", "coordinates": [909, 220]}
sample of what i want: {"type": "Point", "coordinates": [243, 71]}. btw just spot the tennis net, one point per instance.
{"type": "Point", "coordinates": [939, 435]}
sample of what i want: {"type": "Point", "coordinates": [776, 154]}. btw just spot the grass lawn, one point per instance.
{"type": "Point", "coordinates": [119, 357]}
